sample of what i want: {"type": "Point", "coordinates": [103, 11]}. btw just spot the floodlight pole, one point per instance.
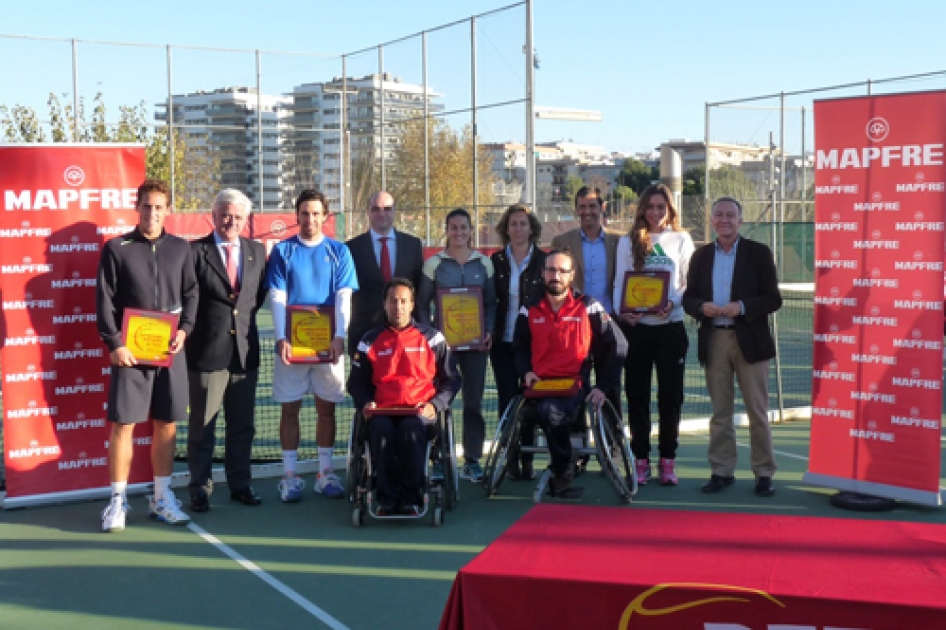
{"type": "Point", "coordinates": [707, 210]}
{"type": "Point", "coordinates": [529, 193]}
{"type": "Point", "coordinates": [476, 210]}
{"type": "Point", "coordinates": [381, 107]}
{"type": "Point", "coordinates": [170, 122]}
{"type": "Point", "coordinates": [343, 126]}
{"type": "Point", "coordinates": [75, 92]}
{"type": "Point", "coordinates": [259, 130]}
{"type": "Point", "coordinates": [426, 138]}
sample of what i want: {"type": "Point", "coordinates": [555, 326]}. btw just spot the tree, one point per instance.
{"type": "Point", "coordinates": [693, 181]}
{"type": "Point", "coordinates": [573, 184]}
{"type": "Point", "coordinates": [194, 165]}
{"type": "Point", "coordinates": [21, 124]}
{"type": "Point", "coordinates": [724, 181]}
{"type": "Point", "coordinates": [636, 175]}
{"type": "Point", "coordinates": [620, 201]}
{"type": "Point", "coordinates": [451, 158]}
{"type": "Point", "coordinates": [194, 169]}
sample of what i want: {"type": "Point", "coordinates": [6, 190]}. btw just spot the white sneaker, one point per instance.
{"type": "Point", "coordinates": [167, 510]}
{"type": "Point", "coordinates": [113, 516]}
{"type": "Point", "coordinates": [290, 488]}
{"type": "Point", "coordinates": [329, 485]}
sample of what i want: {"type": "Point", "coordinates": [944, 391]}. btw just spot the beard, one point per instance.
{"type": "Point", "coordinates": [558, 289]}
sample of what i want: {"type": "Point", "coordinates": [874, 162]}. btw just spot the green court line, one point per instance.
{"type": "Point", "coordinates": [15, 616]}
{"type": "Point", "coordinates": [33, 560]}
{"type": "Point", "coordinates": [349, 544]}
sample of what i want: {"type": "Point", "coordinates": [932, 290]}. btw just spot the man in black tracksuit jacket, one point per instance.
{"type": "Point", "coordinates": [152, 270]}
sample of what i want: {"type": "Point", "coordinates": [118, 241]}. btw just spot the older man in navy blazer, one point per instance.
{"type": "Point", "coordinates": [731, 289]}
{"type": "Point", "coordinates": [380, 254]}
{"type": "Point", "coordinates": [223, 353]}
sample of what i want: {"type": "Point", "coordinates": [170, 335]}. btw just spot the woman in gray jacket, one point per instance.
{"type": "Point", "coordinates": [459, 265]}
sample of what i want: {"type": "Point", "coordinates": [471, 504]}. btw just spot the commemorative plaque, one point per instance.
{"type": "Point", "coordinates": [553, 388]}
{"type": "Point", "coordinates": [645, 291]}
{"type": "Point", "coordinates": [393, 410]}
{"type": "Point", "coordinates": [460, 314]}
{"type": "Point", "coordinates": [311, 331]}
{"type": "Point", "coordinates": [148, 335]}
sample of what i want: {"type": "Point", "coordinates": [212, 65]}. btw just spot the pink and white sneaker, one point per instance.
{"type": "Point", "coordinates": [643, 472]}
{"type": "Point", "coordinates": [668, 476]}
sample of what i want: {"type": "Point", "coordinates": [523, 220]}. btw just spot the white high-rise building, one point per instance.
{"type": "Point", "coordinates": [315, 139]}
{"type": "Point", "coordinates": [223, 122]}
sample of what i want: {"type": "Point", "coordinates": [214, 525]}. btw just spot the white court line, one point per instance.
{"type": "Point", "coordinates": [783, 453]}
{"type": "Point", "coordinates": [305, 604]}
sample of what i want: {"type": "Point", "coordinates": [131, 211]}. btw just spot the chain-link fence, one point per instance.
{"type": "Point", "coordinates": [408, 115]}
{"type": "Point", "coordinates": [761, 150]}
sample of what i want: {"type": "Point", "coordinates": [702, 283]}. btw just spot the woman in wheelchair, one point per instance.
{"type": "Point", "coordinates": [557, 335]}
{"type": "Point", "coordinates": [402, 375]}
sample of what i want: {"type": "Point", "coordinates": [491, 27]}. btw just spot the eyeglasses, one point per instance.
{"type": "Point", "coordinates": [380, 208]}
{"type": "Point", "coordinates": [557, 270]}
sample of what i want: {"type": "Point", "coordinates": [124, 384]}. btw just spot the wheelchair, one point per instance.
{"type": "Point", "coordinates": [599, 433]}
{"type": "Point", "coordinates": [438, 494]}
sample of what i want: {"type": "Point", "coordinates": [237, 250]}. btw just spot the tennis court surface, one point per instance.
{"type": "Point", "coordinates": [304, 565]}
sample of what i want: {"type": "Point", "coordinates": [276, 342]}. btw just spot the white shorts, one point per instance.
{"type": "Point", "coordinates": [292, 382]}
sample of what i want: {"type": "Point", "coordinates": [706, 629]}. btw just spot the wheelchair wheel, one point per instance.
{"type": "Point", "coordinates": [507, 432]}
{"type": "Point", "coordinates": [448, 462]}
{"type": "Point", "coordinates": [614, 451]}
{"type": "Point", "coordinates": [355, 464]}
{"type": "Point", "coordinates": [357, 516]}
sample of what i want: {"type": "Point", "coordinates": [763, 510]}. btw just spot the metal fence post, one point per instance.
{"type": "Point", "coordinates": [476, 207]}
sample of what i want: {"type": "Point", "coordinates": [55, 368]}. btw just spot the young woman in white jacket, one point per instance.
{"type": "Point", "coordinates": [656, 242]}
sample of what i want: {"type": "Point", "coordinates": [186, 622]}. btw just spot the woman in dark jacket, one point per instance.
{"type": "Point", "coordinates": [518, 268]}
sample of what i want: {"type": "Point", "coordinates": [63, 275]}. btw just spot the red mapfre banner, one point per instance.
{"type": "Point", "coordinates": [60, 204]}
{"type": "Point", "coordinates": [880, 190]}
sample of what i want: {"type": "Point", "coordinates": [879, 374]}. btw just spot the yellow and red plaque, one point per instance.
{"type": "Point", "coordinates": [553, 388]}
{"type": "Point", "coordinates": [148, 335]}
{"type": "Point", "coordinates": [393, 410]}
{"type": "Point", "coordinates": [645, 291]}
{"type": "Point", "coordinates": [311, 331]}
{"type": "Point", "coordinates": [460, 311]}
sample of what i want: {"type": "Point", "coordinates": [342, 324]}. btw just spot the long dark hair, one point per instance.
{"type": "Point", "coordinates": [640, 233]}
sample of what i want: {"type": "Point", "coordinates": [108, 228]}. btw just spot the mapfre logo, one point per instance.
{"type": "Point", "coordinates": [278, 227]}
{"type": "Point", "coordinates": [667, 606]}
{"type": "Point", "coordinates": [696, 606]}
{"type": "Point", "coordinates": [74, 175]}
{"type": "Point", "coordinates": [877, 129]}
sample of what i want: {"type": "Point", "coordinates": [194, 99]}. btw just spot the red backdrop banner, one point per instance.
{"type": "Point", "coordinates": [880, 189]}
{"type": "Point", "coordinates": [60, 204]}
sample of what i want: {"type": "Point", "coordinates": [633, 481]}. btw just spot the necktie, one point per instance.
{"type": "Point", "coordinates": [232, 266]}
{"type": "Point", "coordinates": [385, 259]}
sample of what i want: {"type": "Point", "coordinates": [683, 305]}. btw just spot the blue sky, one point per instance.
{"type": "Point", "coordinates": [648, 67]}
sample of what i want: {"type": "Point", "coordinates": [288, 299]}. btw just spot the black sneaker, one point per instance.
{"type": "Point", "coordinates": [717, 483]}
{"type": "Point", "coordinates": [764, 487]}
{"type": "Point", "coordinates": [559, 484]}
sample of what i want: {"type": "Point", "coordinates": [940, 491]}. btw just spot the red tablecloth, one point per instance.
{"type": "Point", "coordinates": [588, 567]}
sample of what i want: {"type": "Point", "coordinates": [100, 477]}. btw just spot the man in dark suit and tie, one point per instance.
{"type": "Point", "coordinates": [380, 254]}
{"type": "Point", "coordinates": [731, 289]}
{"type": "Point", "coordinates": [223, 353]}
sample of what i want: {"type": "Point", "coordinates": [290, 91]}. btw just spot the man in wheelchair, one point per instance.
{"type": "Point", "coordinates": [402, 375]}
{"type": "Point", "coordinates": [556, 336]}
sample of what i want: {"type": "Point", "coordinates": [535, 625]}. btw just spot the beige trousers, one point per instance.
{"type": "Point", "coordinates": [725, 360]}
